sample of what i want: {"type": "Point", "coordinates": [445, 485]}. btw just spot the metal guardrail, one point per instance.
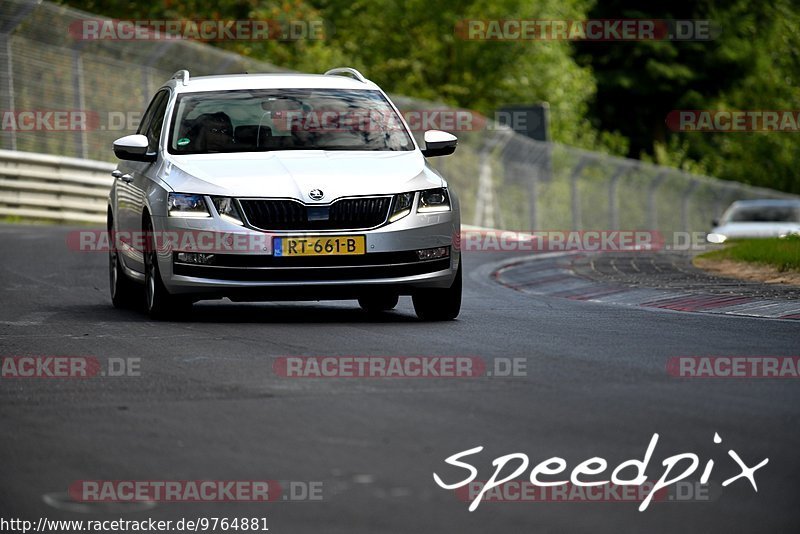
{"type": "Point", "coordinates": [53, 188]}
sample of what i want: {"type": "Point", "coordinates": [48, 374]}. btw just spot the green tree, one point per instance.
{"type": "Point", "coordinates": [752, 64]}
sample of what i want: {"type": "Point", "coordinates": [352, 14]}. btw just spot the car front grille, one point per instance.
{"type": "Point", "coordinates": [356, 213]}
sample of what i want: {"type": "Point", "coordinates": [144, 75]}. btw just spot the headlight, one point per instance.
{"type": "Point", "coordinates": [401, 206]}
{"type": "Point", "coordinates": [226, 207]}
{"type": "Point", "coordinates": [433, 200]}
{"type": "Point", "coordinates": [184, 205]}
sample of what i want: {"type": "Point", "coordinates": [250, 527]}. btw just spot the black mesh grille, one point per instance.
{"type": "Point", "coordinates": [343, 214]}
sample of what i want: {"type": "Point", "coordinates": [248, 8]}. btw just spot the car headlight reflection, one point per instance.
{"type": "Point", "coordinates": [716, 238]}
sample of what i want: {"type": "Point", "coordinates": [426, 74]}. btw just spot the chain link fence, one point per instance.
{"type": "Point", "coordinates": [43, 67]}
{"type": "Point", "coordinates": [511, 181]}
{"type": "Point", "coordinates": [505, 180]}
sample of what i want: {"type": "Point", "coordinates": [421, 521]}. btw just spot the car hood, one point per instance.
{"type": "Point", "coordinates": [756, 229]}
{"type": "Point", "coordinates": [293, 174]}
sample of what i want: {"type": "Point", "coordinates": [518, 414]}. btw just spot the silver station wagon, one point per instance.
{"type": "Point", "coordinates": [281, 187]}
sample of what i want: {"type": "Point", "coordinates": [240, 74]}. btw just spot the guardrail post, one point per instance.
{"type": "Point", "coordinates": [529, 161]}
{"type": "Point", "coordinates": [484, 201]}
{"type": "Point", "coordinates": [82, 150]}
{"type": "Point", "coordinates": [613, 205]}
{"type": "Point", "coordinates": [7, 94]}
{"type": "Point", "coordinates": [533, 196]}
{"type": "Point", "coordinates": [575, 194]}
{"type": "Point", "coordinates": [652, 211]}
{"type": "Point", "coordinates": [687, 194]}
{"type": "Point", "coordinates": [724, 196]}
{"type": "Point", "coordinates": [542, 171]}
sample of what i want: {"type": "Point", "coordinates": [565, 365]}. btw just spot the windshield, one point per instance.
{"type": "Point", "coordinates": [765, 214]}
{"type": "Point", "coordinates": [285, 119]}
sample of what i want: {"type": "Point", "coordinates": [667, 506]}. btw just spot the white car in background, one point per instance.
{"type": "Point", "coordinates": [757, 219]}
{"type": "Point", "coordinates": [321, 169]}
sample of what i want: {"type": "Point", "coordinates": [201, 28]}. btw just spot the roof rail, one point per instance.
{"type": "Point", "coordinates": [347, 70]}
{"type": "Point", "coordinates": [182, 75]}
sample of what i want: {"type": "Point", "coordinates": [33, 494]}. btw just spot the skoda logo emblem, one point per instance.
{"type": "Point", "coordinates": [316, 194]}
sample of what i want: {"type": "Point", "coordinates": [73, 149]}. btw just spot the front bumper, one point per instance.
{"type": "Point", "coordinates": [390, 262]}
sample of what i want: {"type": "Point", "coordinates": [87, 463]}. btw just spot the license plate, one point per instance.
{"type": "Point", "coordinates": [320, 246]}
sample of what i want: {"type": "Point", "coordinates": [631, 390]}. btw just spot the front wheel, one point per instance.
{"type": "Point", "coordinates": [439, 304]}
{"type": "Point", "coordinates": [159, 303]}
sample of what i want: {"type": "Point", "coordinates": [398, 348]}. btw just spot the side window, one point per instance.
{"type": "Point", "coordinates": [148, 114]}
{"type": "Point", "coordinates": [153, 120]}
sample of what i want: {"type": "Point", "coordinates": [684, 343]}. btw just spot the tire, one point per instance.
{"type": "Point", "coordinates": [379, 302]}
{"type": "Point", "coordinates": [125, 293]}
{"type": "Point", "coordinates": [158, 302]}
{"type": "Point", "coordinates": [439, 304]}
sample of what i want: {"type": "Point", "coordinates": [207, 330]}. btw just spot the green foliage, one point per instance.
{"type": "Point", "coordinates": [753, 64]}
{"type": "Point", "coordinates": [768, 159]}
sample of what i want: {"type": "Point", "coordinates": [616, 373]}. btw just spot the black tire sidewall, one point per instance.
{"type": "Point", "coordinates": [440, 304]}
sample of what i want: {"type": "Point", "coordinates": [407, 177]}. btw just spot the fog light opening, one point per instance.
{"type": "Point", "coordinates": [196, 258]}
{"type": "Point", "coordinates": [433, 253]}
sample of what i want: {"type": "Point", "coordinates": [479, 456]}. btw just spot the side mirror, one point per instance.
{"type": "Point", "coordinates": [714, 222]}
{"type": "Point", "coordinates": [439, 143]}
{"type": "Point", "coordinates": [134, 148]}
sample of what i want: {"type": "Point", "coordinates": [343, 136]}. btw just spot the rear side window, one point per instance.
{"type": "Point", "coordinates": [767, 213]}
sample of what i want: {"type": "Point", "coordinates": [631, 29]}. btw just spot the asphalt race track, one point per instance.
{"type": "Point", "coordinates": [208, 405]}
